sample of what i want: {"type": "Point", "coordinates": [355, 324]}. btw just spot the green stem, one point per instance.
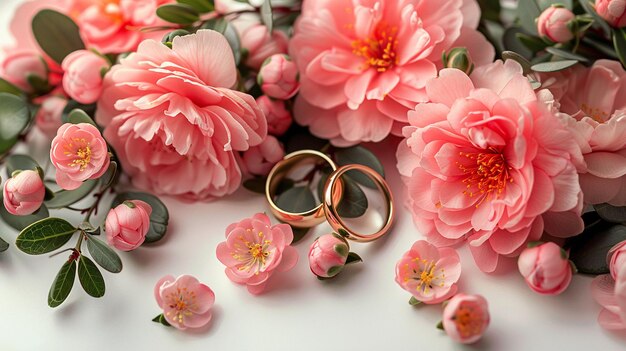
{"type": "Point", "coordinates": [79, 243]}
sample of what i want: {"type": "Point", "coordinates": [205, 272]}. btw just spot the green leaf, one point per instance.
{"type": "Point", "coordinates": [599, 22]}
{"type": "Point", "coordinates": [90, 277]}
{"type": "Point", "coordinates": [414, 302]}
{"type": "Point", "coordinates": [14, 117]}
{"type": "Point", "coordinates": [111, 176]}
{"type": "Point", "coordinates": [64, 198]}
{"type": "Point", "coordinates": [611, 213]}
{"type": "Point", "coordinates": [440, 324]}
{"type": "Point", "coordinates": [18, 162]}
{"type": "Point", "coordinates": [72, 105]}
{"type": "Point", "coordinates": [566, 54]}
{"type": "Point", "coordinates": [21, 222]}
{"type": "Point", "coordinates": [511, 55]}
{"type": "Point", "coordinates": [6, 87]}
{"type": "Point", "coordinates": [296, 200]}
{"type": "Point", "coordinates": [159, 217]}
{"type": "Point", "coordinates": [588, 251]}
{"type": "Point", "coordinates": [535, 44]}
{"type": "Point", "coordinates": [299, 233]}
{"type": "Point", "coordinates": [3, 245]}
{"type": "Point", "coordinates": [266, 15]}
{"type": "Point", "coordinates": [57, 34]}
{"type": "Point", "coordinates": [256, 184]}
{"type": "Point", "coordinates": [223, 26]}
{"type": "Point", "coordinates": [511, 42]}
{"type": "Point", "coordinates": [178, 13]}
{"type": "Point", "coordinates": [161, 319]}
{"type": "Point", "coordinates": [490, 9]}
{"type": "Point", "coordinates": [45, 236]}
{"type": "Point", "coordinates": [354, 203]}
{"type": "Point", "coordinates": [303, 140]}
{"type": "Point", "coordinates": [528, 11]}
{"type": "Point", "coordinates": [62, 285]}
{"type": "Point", "coordinates": [619, 41]}
{"type": "Point", "coordinates": [77, 116]}
{"type": "Point", "coordinates": [362, 156]}
{"type": "Point", "coordinates": [353, 258]}
{"type": "Point", "coordinates": [202, 6]}
{"type": "Point", "coordinates": [104, 255]}
{"type": "Point", "coordinates": [553, 66]}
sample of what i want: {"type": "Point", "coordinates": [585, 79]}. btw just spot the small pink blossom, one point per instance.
{"type": "Point", "coordinates": [328, 255]}
{"type": "Point", "coordinates": [186, 303]}
{"type": "Point", "coordinates": [18, 66]}
{"type": "Point", "coordinates": [613, 11]}
{"type": "Point", "coordinates": [545, 268]}
{"type": "Point", "coordinates": [617, 258]}
{"type": "Point", "coordinates": [23, 194]}
{"type": "Point", "coordinates": [429, 273]}
{"type": "Point", "coordinates": [278, 77]}
{"type": "Point", "coordinates": [127, 224]}
{"type": "Point", "coordinates": [260, 45]}
{"type": "Point", "coordinates": [83, 75]}
{"type": "Point", "coordinates": [78, 153]}
{"type": "Point", "coordinates": [48, 118]}
{"type": "Point", "coordinates": [278, 116]}
{"type": "Point", "coordinates": [259, 160]}
{"type": "Point", "coordinates": [254, 249]}
{"type": "Point", "coordinates": [611, 295]}
{"type": "Point", "coordinates": [465, 318]}
{"type": "Point", "coordinates": [553, 24]}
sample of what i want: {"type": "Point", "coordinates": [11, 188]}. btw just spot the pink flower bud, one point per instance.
{"type": "Point", "coordinates": [48, 116]}
{"type": "Point", "coordinates": [17, 67]}
{"type": "Point", "coordinates": [24, 193]}
{"type": "Point", "coordinates": [465, 318]}
{"type": "Point", "coordinates": [83, 75]}
{"type": "Point", "coordinates": [328, 255]}
{"type": "Point", "coordinates": [126, 225]}
{"type": "Point", "coordinates": [552, 24]}
{"type": "Point", "coordinates": [261, 45]}
{"type": "Point", "coordinates": [260, 159]}
{"type": "Point", "coordinates": [613, 11]}
{"type": "Point", "coordinates": [617, 258]}
{"type": "Point", "coordinates": [278, 77]}
{"type": "Point", "coordinates": [545, 268]}
{"type": "Point", "coordinates": [279, 119]}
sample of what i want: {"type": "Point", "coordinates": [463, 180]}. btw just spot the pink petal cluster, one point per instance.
{"type": "Point", "coordinates": [328, 255]}
{"type": "Point", "coordinates": [278, 116]}
{"type": "Point", "coordinates": [127, 224]}
{"type": "Point", "coordinates": [186, 303]}
{"type": "Point", "coordinates": [254, 250]}
{"type": "Point", "coordinates": [260, 44]}
{"type": "Point", "coordinates": [259, 160]}
{"type": "Point", "coordinates": [609, 290]}
{"type": "Point", "coordinates": [486, 163]}
{"type": "Point", "coordinates": [83, 75]}
{"type": "Point", "coordinates": [174, 120]}
{"type": "Point", "coordinates": [553, 24]}
{"type": "Point", "coordinates": [465, 318]}
{"type": "Point", "coordinates": [78, 153]}
{"type": "Point", "coordinates": [278, 77]}
{"type": "Point", "coordinates": [613, 11]}
{"type": "Point", "coordinates": [429, 273]}
{"type": "Point", "coordinates": [364, 64]}
{"type": "Point", "coordinates": [545, 268]}
{"type": "Point", "coordinates": [48, 117]}
{"type": "Point", "coordinates": [23, 194]}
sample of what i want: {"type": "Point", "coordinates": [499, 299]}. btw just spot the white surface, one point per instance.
{"type": "Point", "coordinates": [362, 309]}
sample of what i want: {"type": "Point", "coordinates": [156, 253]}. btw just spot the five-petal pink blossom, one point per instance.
{"type": "Point", "coordinates": [465, 318]}
{"type": "Point", "coordinates": [186, 303]}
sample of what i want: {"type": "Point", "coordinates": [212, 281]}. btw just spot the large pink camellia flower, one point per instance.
{"type": "Point", "coordinates": [174, 121]}
{"type": "Point", "coordinates": [488, 163]}
{"type": "Point", "coordinates": [364, 63]}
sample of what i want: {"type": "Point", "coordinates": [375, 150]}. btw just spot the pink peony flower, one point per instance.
{"type": "Point", "coordinates": [23, 194]}
{"type": "Point", "coordinates": [127, 224]}
{"type": "Point", "coordinates": [553, 24]}
{"type": "Point", "coordinates": [260, 44]}
{"type": "Point", "coordinates": [364, 64]}
{"type": "Point", "coordinates": [83, 75]}
{"type": "Point", "coordinates": [278, 116]}
{"type": "Point", "coordinates": [18, 66]}
{"type": "Point", "coordinates": [78, 153]}
{"type": "Point", "coordinates": [186, 303]}
{"type": "Point", "coordinates": [48, 117]}
{"type": "Point", "coordinates": [613, 11]}
{"type": "Point", "coordinates": [617, 258]}
{"type": "Point", "coordinates": [545, 269]}
{"type": "Point", "coordinates": [429, 273]}
{"type": "Point", "coordinates": [328, 255]}
{"type": "Point", "coordinates": [611, 295]}
{"type": "Point", "coordinates": [278, 77]}
{"type": "Point", "coordinates": [486, 163]}
{"type": "Point", "coordinates": [175, 122]}
{"type": "Point", "coordinates": [465, 318]}
{"type": "Point", "coordinates": [259, 160]}
{"type": "Point", "coordinates": [254, 249]}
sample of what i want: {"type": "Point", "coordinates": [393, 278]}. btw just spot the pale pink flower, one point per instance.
{"type": "Point", "coordinates": [18, 66]}
{"type": "Point", "coordinates": [48, 117]}
{"type": "Point", "coordinates": [553, 24]}
{"type": "Point", "coordinates": [254, 250]}
{"type": "Point", "coordinates": [278, 116]}
{"type": "Point", "coordinates": [186, 303]}
{"type": "Point", "coordinates": [545, 269]}
{"type": "Point", "coordinates": [486, 163]}
{"type": "Point", "coordinates": [465, 318]}
{"type": "Point", "coordinates": [260, 159]}
{"type": "Point", "coordinates": [611, 295]}
{"type": "Point", "coordinates": [364, 64]}
{"type": "Point", "coordinates": [174, 120]}
{"type": "Point", "coordinates": [278, 77]}
{"type": "Point", "coordinates": [617, 258]}
{"type": "Point", "coordinates": [23, 194]}
{"type": "Point", "coordinates": [328, 255]}
{"type": "Point", "coordinates": [127, 224]}
{"type": "Point", "coordinates": [429, 273]}
{"type": "Point", "coordinates": [260, 45]}
{"type": "Point", "coordinates": [613, 11]}
{"type": "Point", "coordinates": [78, 153]}
{"type": "Point", "coordinates": [83, 75]}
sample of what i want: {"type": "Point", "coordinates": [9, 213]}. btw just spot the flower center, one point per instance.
{"type": "Point", "coordinates": [468, 321]}
{"type": "Point", "coordinates": [597, 114]}
{"type": "Point", "coordinates": [487, 175]}
{"type": "Point", "coordinates": [82, 154]}
{"type": "Point", "coordinates": [254, 254]}
{"type": "Point", "coordinates": [181, 302]}
{"type": "Point", "coordinates": [112, 9]}
{"type": "Point", "coordinates": [379, 50]}
{"type": "Point", "coordinates": [427, 275]}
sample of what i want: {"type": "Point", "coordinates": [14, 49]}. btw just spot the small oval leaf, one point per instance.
{"type": "Point", "coordinates": [553, 66]}
{"type": "Point", "coordinates": [62, 285]}
{"type": "Point", "coordinates": [610, 213]}
{"type": "Point", "coordinates": [3, 245]}
{"type": "Point", "coordinates": [45, 236]}
{"type": "Point", "coordinates": [64, 198]}
{"type": "Point", "coordinates": [588, 251]}
{"type": "Point", "coordinates": [14, 117]}
{"type": "Point", "coordinates": [77, 116]}
{"type": "Point", "coordinates": [18, 162]}
{"type": "Point", "coordinates": [178, 13]}
{"type": "Point", "coordinates": [362, 156]}
{"type": "Point", "coordinates": [267, 15]}
{"type": "Point", "coordinates": [354, 202]}
{"type": "Point", "coordinates": [90, 277]}
{"type": "Point", "coordinates": [57, 34]}
{"type": "Point", "coordinates": [104, 255]}
{"type": "Point", "coordinates": [296, 200]}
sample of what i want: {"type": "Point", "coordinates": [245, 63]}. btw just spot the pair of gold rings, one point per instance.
{"type": "Point", "coordinates": [332, 194]}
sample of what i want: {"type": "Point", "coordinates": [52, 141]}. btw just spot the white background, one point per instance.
{"type": "Point", "coordinates": [362, 309]}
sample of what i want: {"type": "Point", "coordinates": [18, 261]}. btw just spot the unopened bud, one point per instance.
{"type": "Point", "coordinates": [458, 58]}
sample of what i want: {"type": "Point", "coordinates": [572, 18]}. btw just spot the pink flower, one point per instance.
{"type": "Point", "coordinates": [127, 224]}
{"type": "Point", "coordinates": [278, 117]}
{"type": "Point", "coordinates": [328, 255]}
{"type": "Point", "coordinates": [486, 163]}
{"type": "Point", "coordinates": [78, 153]}
{"type": "Point", "coordinates": [429, 273]}
{"type": "Point", "coordinates": [545, 268]}
{"type": "Point", "coordinates": [553, 24]}
{"type": "Point", "coordinates": [174, 120]}
{"type": "Point", "coordinates": [278, 77]}
{"type": "Point", "coordinates": [611, 295]}
{"type": "Point", "coordinates": [23, 193]}
{"type": "Point", "coordinates": [617, 258]}
{"type": "Point", "coordinates": [83, 75]}
{"type": "Point", "coordinates": [613, 11]}
{"type": "Point", "coordinates": [465, 318]}
{"type": "Point", "coordinates": [259, 160]}
{"type": "Point", "coordinates": [260, 44]}
{"type": "Point", "coordinates": [364, 64]}
{"type": "Point", "coordinates": [48, 118]}
{"type": "Point", "coordinates": [18, 66]}
{"type": "Point", "coordinates": [254, 249]}
{"type": "Point", "coordinates": [186, 303]}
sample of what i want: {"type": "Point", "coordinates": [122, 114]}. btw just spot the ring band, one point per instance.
{"type": "Point", "coordinates": [330, 203]}
{"type": "Point", "coordinates": [309, 218]}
